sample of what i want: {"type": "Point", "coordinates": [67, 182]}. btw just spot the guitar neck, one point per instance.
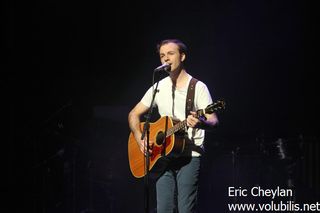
{"type": "Point", "coordinates": [176, 128]}
{"type": "Point", "coordinates": [200, 112]}
{"type": "Point", "coordinates": [182, 124]}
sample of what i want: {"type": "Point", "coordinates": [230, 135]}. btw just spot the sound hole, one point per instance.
{"type": "Point", "coordinates": [160, 138]}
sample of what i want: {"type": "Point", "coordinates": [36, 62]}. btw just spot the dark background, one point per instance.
{"type": "Point", "coordinates": [72, 71]}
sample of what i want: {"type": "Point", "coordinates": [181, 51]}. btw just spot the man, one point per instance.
{"type": "Point", "coordinates": [177, 187]}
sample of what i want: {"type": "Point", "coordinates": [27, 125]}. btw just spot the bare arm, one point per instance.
{"type": "Point", "coordinates": [210, 121]}
{"type": "Point", "coordinates": [134, 117]}
{"type": "Point", "coordinates": [134, 123]}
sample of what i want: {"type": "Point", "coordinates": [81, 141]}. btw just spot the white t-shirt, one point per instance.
{"type": "Point", "coordinates": [173, 104]}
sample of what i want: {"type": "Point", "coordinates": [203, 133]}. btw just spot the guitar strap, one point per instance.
{"type": "Point", "coordinates": [190, 96]}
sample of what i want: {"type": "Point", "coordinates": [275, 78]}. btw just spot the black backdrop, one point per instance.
{"type": "Point", "coordinates": [73, 70]}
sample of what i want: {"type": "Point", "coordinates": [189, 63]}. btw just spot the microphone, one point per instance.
{"type": "Point", "coordinates": [164, 67]}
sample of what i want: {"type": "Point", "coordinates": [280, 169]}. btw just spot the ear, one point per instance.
{"type": "Point", "coordinates": [182, 57]}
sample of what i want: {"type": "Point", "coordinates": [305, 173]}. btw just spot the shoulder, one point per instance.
{"type": "Point", "coordinates": [202, 89]}
{"type": "Point", "coordinates": [164, 82]}
{"type": "Point", "coordinates": [200, 84]}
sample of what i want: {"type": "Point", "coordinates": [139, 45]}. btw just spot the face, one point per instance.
{"type": "Point", "coordinates": [169, 53]}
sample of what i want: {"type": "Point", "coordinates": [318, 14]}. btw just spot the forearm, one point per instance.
{"type": "Point", "coordinates": [208, 122]}
{"type": "Point", "coordinates": [134, 123]}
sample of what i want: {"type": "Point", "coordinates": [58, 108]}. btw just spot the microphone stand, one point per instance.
{"type": "Point", "coordinates": [146, 130]}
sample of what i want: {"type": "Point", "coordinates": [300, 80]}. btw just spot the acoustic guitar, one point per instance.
{"type": "Point", "coordinates": [167, 141]}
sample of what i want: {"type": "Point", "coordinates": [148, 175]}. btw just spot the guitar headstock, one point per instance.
{"type": "Point", "coordinates": [215, 107]}
{"type": "Point", "coordinates": [211, 108]}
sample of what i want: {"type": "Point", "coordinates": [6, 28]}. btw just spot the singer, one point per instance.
{"type": "Point", "coordinates": [177, 187]}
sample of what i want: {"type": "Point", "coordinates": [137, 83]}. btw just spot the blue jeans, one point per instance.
{"type": "Point", "coordinates": [177, 188]}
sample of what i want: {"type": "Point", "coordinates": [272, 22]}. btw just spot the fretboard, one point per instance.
{"type": "Point", "coordinates": [176, 127]}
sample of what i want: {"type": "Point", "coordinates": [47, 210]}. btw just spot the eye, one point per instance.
{"type": "Point", "coordinates": [161, 55]}
{"type": "Point", "coordinates": [171, 53]}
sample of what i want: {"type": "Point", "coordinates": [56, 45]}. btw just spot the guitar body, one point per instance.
{"type": "Point", "coordinates": [173, 146]}
{"type": "Point", "coordinates": [168, 141]}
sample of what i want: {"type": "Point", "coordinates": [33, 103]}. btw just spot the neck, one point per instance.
{"type": "Point", "coordinates": [179, 78]}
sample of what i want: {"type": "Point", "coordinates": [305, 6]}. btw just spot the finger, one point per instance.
{"type": "Point", "coordinates": [142, 150]}
{"type": "Point", "coordinates": [193, 113]}
{"type": "Point", "coordinates": [144, 147]}
{"type": "Point", "coordinates": [150, 149]}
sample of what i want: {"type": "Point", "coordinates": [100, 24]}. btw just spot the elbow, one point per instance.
{"type": "Point", "coordinates": [130, 115]}
{"type": "Point", "coordinates": [215, 122]}
{"type": "Point", "coordinates": [212, 124]}
{"type": "Point", "coordinates": [133, 115]}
